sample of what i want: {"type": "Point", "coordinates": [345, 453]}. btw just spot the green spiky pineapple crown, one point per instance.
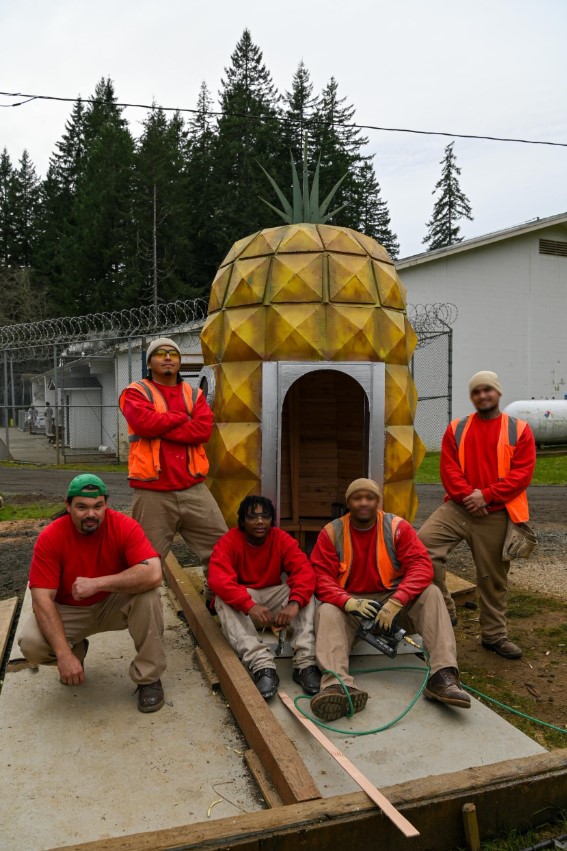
{"type": "Point", "coordinates": [306, 207]}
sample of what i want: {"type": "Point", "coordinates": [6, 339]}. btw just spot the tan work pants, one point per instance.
{"type": "Point", "coordinates": [448, 526]}
{"type": "Point", "coordinates": [243, 637]}
{"type": "Point", "coordinates": [426, 614]}
{"type": "Point", "coordinates": [140, 614]}
{"type": "Point", "coordinates": [193, 513]}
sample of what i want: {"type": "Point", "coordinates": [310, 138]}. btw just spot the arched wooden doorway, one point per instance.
{"type": "Point", "coordinates": [324, 446]}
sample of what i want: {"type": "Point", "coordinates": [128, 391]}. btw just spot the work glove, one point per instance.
{"type": "Point", "coordinates": [364, 608]}
{"type": "Point", "coordinates": [387, 613]}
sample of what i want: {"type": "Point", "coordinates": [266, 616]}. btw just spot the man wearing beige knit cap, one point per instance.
{"type": "Point", "coordinates": [487, 462]}
{"type": "Point", "coordinates": [370, 555]}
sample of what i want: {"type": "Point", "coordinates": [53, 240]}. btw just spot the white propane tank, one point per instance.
{"type": "Point", "coordinates": [547, 418]}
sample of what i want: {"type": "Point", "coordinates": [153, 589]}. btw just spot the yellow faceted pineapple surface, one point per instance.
{"type": "Point", "coordinates": [305, 292]}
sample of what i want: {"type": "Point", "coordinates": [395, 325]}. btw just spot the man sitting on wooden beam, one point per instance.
{"type": "Point", "coordinates": [93, 570]}
{"type": "Point", "coordinates": [370, 555]}
{"type": "Point", "coordinates": [245, 573]}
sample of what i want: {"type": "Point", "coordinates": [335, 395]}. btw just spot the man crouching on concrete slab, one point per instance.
{"type": "Point", "coordinates": [370, 555]}
{"type": "Point", "coordinates": [93, 570]}
{"type": "Point", "coordinates": [245, 572]}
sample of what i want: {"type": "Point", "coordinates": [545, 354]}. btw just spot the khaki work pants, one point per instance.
{"type": "Point", "coordinates": [141, 614]}
{"type": "Point", "coordinates": [243, 637]}
{"type": "Point", "coordinates": [193, 513]}
{"type": "Point", "coordinates": [426, 614]}
{"type": "Point", "coordinates": [448, 526]}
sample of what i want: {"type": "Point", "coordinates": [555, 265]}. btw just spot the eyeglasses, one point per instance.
{"type": "Point", "coordinates": [163, 353]}
{"type": "Point", "coordinates": [261, 515]}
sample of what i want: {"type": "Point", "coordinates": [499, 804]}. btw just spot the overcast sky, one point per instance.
{"type": "Point", "coordinates": [494, 67]}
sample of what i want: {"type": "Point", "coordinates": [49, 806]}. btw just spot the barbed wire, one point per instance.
{"type": "Point", "coordinates": [104, 326]}
{"type": "Point", "coordinates": [34, 341]}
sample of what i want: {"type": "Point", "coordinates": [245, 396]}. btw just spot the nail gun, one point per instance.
{"type": "Point", "coordinates": [386, 642]}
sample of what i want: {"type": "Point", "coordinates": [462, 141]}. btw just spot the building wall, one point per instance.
{"type": "Point", "coordinates": [512, 314]}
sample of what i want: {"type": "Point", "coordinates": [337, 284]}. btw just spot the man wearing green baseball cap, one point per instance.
{"type": "Point", "coordinates": [93, 570]}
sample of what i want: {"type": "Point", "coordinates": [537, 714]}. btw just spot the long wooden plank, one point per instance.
{"type": "Point", "coordinates": [276, 751]}
{"type": "Point", "coordinates": [519, 792]}
{"type": "Point", "coordinates": [359, 778]}
{"type": "Point", "coordinates": [265, 785]}
{"type": "Point", "coordinates": [7, 613]}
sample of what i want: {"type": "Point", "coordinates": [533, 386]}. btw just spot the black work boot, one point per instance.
{"type": "Point", "coordinates": [150, 697]}
{"type": "Point", "coordinates": [267, 682]}
{"type": "Point", "coordinates": [309, 678]}
{"type": "Point", "coordinates": [444, 686]}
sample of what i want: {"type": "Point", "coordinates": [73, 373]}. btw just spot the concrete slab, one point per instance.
{"type": "Point", "coordinates": [82, 763]}
{"type": "Point", "coordinates": [431, 739]}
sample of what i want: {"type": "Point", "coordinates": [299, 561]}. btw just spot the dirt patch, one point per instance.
{"type": "Point", "coordinates": [535, 684]}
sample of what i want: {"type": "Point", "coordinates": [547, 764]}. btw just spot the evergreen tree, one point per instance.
{"type": "Point", "coordinates": [26, 196]}
{"type": "Point", "coordinates": [161, 209]}
{"type": "Point", "coordinates": [375, 217]}
{"type": "Point", "coordinates": [249, 132]}
{"type": "Point", "coordinates": [99, 243]}
{"type": "Point", "coordinates": [300, 108]}
{"type": "Point", "coordinates": [451, 205]}
{"type": "Point", "coordinates": [341, 146]}
{"type": "Point", "coordinates": [205, 218]}
{"type": "Point", "coordinates": [6, 209]}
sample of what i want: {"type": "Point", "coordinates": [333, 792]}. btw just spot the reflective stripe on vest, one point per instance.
{"type": "Point", "coordinates": [386, 559]}
{"type": "Point", "coordinates": [143, 457]}
{"type": "Point", "coordinates": [511, 429]}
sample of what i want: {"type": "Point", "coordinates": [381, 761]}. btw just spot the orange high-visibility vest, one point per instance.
{"type": "Point", "coordinates": [386, 561]}
{"type": "Point", "coordinates": [143, 455]}
{"type": "Point", "coordinates": [510, 431]}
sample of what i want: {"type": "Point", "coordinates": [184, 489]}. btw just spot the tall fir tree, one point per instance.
{"type": "Point", "coordinates": [341, 147]}
{"type": "Point", "coordinates": [26, 200]}
{"type": "Point", "coordinates": [99, 244]}
{"type": "Point", "coordinates": [161, 209]}
{"type": "Point", "coordinates": [374, 214]}
{"type": "Point", "coordinates": [300, 107]}
{"type": "Point", "coordinates": [451, 205]}
{"type": "Point", "coordinates": [205, 217]}
{"type": "Point", "coordinates": [7, 224]}
{"type": "Point", "coordinates": [248, 132]}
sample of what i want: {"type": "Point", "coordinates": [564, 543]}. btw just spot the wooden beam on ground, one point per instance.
{"type": "Point", "coordinates": [7, 614]}
{"type": "Point", "coordinates": [461, 590]}
{"type": "Point", "coordinates": [206, 669]}
{"type": "Point", "coordinates": [359, 778]}
{"type": "Point", "coordinates": [524, 792]}
{"type": "Point", "coordinates": [265, 785]}
{"type": "Point", "coordinates": [276, 751]}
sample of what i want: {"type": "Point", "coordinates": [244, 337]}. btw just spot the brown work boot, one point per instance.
{"type": "Point", "coordinates": [150, 697]}
{"type": "Point", "coordinates": [504, 647]}
{"type": "Point", "coordinates": [444, 686]}
{"type": "Point", "coordinates": [332, 702]}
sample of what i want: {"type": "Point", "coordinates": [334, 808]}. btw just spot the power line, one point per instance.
{"type": "Point", "coordinates": [29, 98]}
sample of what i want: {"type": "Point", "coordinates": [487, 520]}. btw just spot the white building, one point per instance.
{"type": "Point", "coordinates": [510, 289]}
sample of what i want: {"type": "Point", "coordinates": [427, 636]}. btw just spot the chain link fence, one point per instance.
{"type": "Point", "coordinates": [63, 377]}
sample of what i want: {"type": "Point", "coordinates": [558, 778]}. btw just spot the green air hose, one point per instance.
{"type": "Point", "coordinates": [350, 712]}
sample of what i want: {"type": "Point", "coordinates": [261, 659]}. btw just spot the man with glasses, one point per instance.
{"type": "Point", "coordinates": [487, 462]}
{"type": "Point", "coordinates": [245, 573]}
{"type": "Point", "coordinates": [168, 424]}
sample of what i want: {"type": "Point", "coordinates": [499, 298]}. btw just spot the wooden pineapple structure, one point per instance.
{"type": "Point", "coordinates": [308, 291]}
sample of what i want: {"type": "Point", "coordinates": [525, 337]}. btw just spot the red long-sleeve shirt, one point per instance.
{"type": "Point", "coordinates": [176, 430]}
{"type": "Point", "coordinates": [236, 565]}
{"type": "Point", "coordinates": [481, 464]}
{"type": "Point", "coordinates": [364, 578]}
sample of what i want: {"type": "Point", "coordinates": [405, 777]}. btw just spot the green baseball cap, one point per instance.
{"type": "Point", "coordinates": [86, 485]}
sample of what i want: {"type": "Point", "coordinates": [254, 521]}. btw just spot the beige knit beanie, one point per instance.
{"type": "Point", "coordinates": [156, 344]}
{"type": "Point", "coordinates": [362, 485]}
{"type": "Point", "coordinates": [485, 379]}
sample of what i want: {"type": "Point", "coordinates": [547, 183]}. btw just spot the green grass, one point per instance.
{"type": "Point", "coordinates": [549, 470]}
{"type": "Point", "coordinates": [515, 841]}
{"type": "Point", "coordinates": [83, 468]}
{"type": "Point", "coordinates": [32, 511]}
{"type": "Point", "coordinates": [522, 604]}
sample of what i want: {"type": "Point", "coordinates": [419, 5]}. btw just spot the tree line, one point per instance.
{"type": "Point", "coordinates": [119, 221]}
